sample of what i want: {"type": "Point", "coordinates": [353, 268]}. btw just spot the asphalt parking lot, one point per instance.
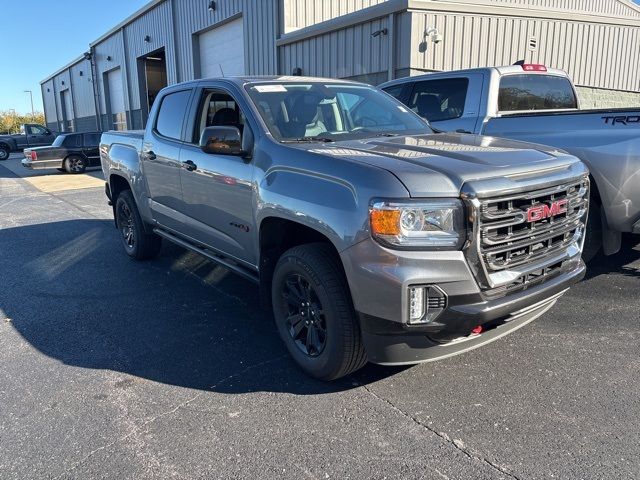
{"type": "Point", "coordinates": [117, 369]}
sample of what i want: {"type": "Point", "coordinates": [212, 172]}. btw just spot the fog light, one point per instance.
{"type": "Point", "coordinates": [416, 304]}
{"type": "Point", "coordinates": [426, 303]}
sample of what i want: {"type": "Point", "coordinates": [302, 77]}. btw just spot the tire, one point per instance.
{"type": "Point", "coordinates": [314, 313]}
{"type": "Point", "coordinates": [75, 164]}
{"type": "Point", "coordinates": [593, 236]}
{"type": "Point", "coordinates": [5, 152]}
{"type": "Point", "coordinates": [138, 244]}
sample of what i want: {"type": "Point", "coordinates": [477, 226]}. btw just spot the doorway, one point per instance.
{"type": "Point", "coordinates": [153, 73]}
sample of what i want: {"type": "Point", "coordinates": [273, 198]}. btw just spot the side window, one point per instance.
{"type": "Point", "coordinates": [72, 141]}
{"type": "Point", "coordinates": [395, 90]}
{"type": "Point", "coordinates": [35, 130]}
{"type": "Point", "coordinates": [171, 114]}
{"type": "Point", "coordinates": [438, 100]}
{"type": "Point", "coordinates": [91, 139]}
{"type": "Point", "coordinates": [218, 109]}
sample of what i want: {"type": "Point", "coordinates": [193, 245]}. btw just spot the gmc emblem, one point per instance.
{"type": "Point", "coordinates": [540, 212]}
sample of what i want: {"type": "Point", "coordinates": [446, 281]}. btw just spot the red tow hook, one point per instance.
{"type": "Point", "coordinates": [477, 331]}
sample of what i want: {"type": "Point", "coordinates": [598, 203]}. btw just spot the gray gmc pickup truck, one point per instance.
{"type": "Point", "coordinates": [371, 237]}
{"type": "Point", "coordinates": [534, 103]}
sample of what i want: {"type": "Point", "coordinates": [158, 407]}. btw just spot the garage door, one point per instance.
{"type": "Point", "coordinates": [116, 99]}
{"type": "Point", "coordinates": [222, 51]}
{"type": "Point", "coordinates": [67, 111]}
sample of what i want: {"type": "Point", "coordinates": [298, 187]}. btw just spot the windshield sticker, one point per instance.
{"type": "Point", "coordinates": [270, 88]}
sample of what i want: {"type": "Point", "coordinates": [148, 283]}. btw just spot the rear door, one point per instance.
{"type": "Point", "coordinates": [218, 194]}
{"type": "Point", "coordinates": [161, 157]}
{"type": "Point", "coordinates": [450, 104]}
{"type": "Point", "coordinates": [91, 141]}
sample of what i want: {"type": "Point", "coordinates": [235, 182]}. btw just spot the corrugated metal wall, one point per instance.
{"type": "Point", "coordinates": [82, 89]}
{"type": "Point", "coordinates": [158, 25]}
{"type": "Point", "coordinates": [260, 20]}
{"type": "Point", "coordinates": [302, 13]}
{"type": "Point", "coordinates": [594, 54]}
{"type": "Point", "coordinates": [613, 8]}
{"type": "Point", "coordinates": [343, 53]}
{"type": "Point", "coordinates": [48, 97]}
{"type": "Point", "coordinates": [111, 47]}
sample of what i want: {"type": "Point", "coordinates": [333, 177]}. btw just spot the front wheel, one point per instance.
{"type": "Point", "coordinates": [137, 243]}
{"type": "Point", "coordinates": [4, 152]}
{"type": "Point", "coordinates": [314, 314]}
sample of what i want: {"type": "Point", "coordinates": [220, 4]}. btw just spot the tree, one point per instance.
{"type": "Point", "coordinates": [11, 122]}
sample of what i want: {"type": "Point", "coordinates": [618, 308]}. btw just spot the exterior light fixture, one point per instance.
{"type": "Point", "coordinates": [81, 73]}
{"type": "Point", "coordinates": [434, 33]}
{"type": "Point", "coordinates": [297, 72]}
{"type": "Point", "coordinates": [377, 33]}
{"type": "Point", "coordinates": [62, 82]}
{"type": "Point", "coordinates": [212, 6]}
{"type": "Point", "coordinates": [147, 38]}
{"type": "Point", "coordinates": [108, 58]}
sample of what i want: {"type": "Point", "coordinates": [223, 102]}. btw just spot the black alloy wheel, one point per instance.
{"type": "Point", "coordinates": [305, 319]}
{"type": "Point", "coordinates": [126, 226]}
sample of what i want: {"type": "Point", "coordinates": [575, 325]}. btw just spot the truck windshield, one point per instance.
{"type": "Point", "coordinates": [526, 92]}
{"type": "Point", "coordinates": [297, 112]}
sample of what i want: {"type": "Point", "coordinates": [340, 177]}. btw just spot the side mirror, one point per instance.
{"type": "Point", "coordinates": [221, 141]}
{"type": "Point", "coordinates": [47, 131]}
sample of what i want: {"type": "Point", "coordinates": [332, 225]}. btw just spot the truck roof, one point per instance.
{"type": "Point", "coordinates": [249, 79]}
{"type": "Point", "coordinates": [504, 70]}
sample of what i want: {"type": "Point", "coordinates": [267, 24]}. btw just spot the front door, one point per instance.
{"type": "Point", "coordinates": [38, 136]}
{"type": "Point", "coordinates": [217, 189]}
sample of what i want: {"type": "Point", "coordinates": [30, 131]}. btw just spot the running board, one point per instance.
{"type": "Point", "coordinates": [243, 272]}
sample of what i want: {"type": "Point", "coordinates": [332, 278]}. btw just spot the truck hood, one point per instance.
{"type": "Point", "coordinates": [440, 164]}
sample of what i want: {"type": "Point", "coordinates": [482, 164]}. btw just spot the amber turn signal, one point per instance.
{"type": "Point", "coordinates": [385, 222]}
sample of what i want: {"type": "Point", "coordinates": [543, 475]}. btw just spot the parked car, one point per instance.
{"type": "Point", "coordinates": [33, 135]}
{"type": "Point", "coordinates": [539, 104]}
{"type": "Point", "coordinates": [370, 237]}
{"type": "Point", "coordinates": [70, 152]}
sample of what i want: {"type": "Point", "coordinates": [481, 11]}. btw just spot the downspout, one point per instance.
{"type": "Point", "coordinates": [96, 88]}
{"type": "Point", "coordinates": [391, 28]}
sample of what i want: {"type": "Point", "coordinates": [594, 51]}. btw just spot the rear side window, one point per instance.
{"type": "Point", "coordinates": [395, 90]}
{"type": "Point", "coordinates": [171, 114]}
{"type": "Point", "coordinates": [72, 141]}
{"type": "Point", "coordinates": [438, 100]}
{"type": "Point", "coordinates": [535, 92]}
{"type": "Point", "coordinates": [91, 139]}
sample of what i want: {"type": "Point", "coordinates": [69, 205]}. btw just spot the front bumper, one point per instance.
{"type": "Point", "coordinates": [379, 281]}
{"type": "Point", "coordinates": [41, 164]}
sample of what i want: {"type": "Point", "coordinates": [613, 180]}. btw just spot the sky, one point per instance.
{"type": "Point", "coordinates": [38, 37]}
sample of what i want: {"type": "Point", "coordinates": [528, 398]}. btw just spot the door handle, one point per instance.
{"type": "Point", "coordinates": [151, 155]}
{"type": "Point", "coordinates": [190, 166]}
{"type": "Point", "coordinates": [462, 130]}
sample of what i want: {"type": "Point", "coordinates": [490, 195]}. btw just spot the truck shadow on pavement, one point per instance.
{"type": "Point", "coordinates": [70, 291]}
{"type": "Point", "coordinates": [625, 262]}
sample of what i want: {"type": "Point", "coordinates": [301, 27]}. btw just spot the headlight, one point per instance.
{"type": "Point", "coordinates": [434, 224]}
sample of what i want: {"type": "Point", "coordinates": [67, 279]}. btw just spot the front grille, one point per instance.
{"type": "Point", "coordinates": [510, 239]}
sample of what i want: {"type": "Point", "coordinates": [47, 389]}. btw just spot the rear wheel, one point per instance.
{"type": "Point", "coordinates": [75, 164]}
{"type": "Point", "coordinates": [137, 243]}
{"type": "Point", "coordinates": [314, 314]}
{"type": "Point", "coordinates": [5, 151]}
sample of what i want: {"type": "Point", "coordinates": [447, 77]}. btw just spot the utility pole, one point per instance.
{"type": "Point", "coordinates": [33, 112]}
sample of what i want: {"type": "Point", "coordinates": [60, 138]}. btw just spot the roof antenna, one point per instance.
{"type": "Point", "coordinates": [221, 70]}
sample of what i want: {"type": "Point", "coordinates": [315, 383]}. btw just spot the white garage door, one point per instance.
{"type": "Point", "coordinates": [116, 99]}
{"type": "Point", "coordinates": [222, 51]}
{"type": "Point", "coordinates": [67, 111]}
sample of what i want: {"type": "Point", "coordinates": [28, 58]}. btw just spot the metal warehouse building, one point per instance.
{"type": "Point", "coordinates": [113, 84]}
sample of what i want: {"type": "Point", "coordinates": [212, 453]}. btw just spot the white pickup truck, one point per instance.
{"type": "Point", "coordinates": [537, 104]}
